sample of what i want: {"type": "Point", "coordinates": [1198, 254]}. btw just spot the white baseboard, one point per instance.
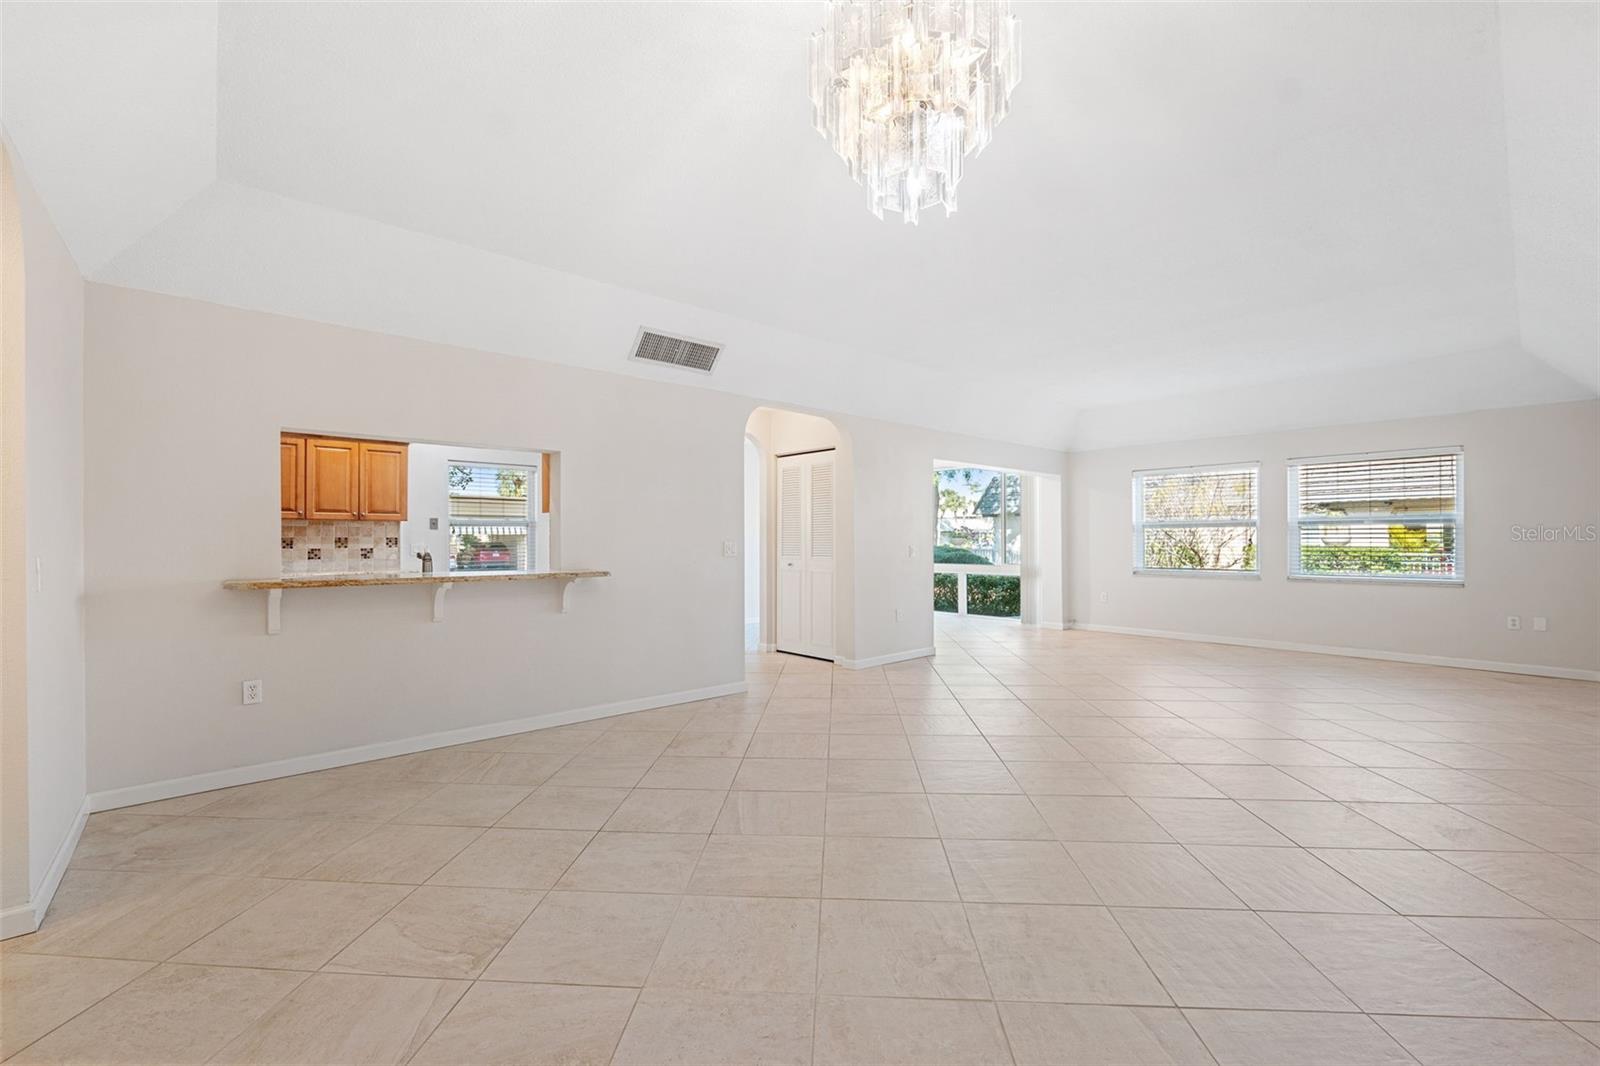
{"type": "Point", "coordinates": [25, 918]}
{"type": "Point", "coordinates": [18, 920]}
{"type": "Point", "coordinates": [302, 764]}
{"type": "Point", "coordinates": [885, 660]}
{"type": "Point", "coordinates": [1530, 669]}
{"type": "Point", "coordinates": [46, 892]}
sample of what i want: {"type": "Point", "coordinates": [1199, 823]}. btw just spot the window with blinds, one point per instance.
{"type": "Point", "coordinates": [1392, 516]}
{"type": "Point", "coordinates": [490, 520]}
{"type": "Point", "coordinates": [1196, 520]}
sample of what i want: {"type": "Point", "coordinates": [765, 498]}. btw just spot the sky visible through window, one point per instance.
{"type": "Point", "coordinates": [978, 513]}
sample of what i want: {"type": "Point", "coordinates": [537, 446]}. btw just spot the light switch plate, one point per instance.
{"type": "Point", "coordinates": [730, 549]}
{"type": "Point", "coordinates": [1541, 624]}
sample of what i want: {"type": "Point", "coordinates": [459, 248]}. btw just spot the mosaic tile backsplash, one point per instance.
{"type": "Point", "coordinates": [340, 547]}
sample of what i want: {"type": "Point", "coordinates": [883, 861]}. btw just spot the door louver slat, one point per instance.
{"type": "Point", "coordinates": [789, 518]}
{"type": "Point", "coordinates": [822, 511]}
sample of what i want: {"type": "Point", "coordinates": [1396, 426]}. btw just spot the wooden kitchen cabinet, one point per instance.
{"type": "Point", "coordinates": [292, 475]}
{"type": "Point", "coordinates": [383, 481]}
{"type": "Point", "coordinates": [333, 479]}
{"type": "Point", "coordinates": [345, 480]}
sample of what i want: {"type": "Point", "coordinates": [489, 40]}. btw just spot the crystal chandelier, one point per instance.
{"type": "Point", "coordinates": [905, 90]}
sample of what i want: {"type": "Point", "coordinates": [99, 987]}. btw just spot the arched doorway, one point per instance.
{"type": "Point", "coordinates": [803, 573]}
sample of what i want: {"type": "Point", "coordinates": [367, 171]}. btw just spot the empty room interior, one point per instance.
{"type": "Point", "coordinates": [727, 605]}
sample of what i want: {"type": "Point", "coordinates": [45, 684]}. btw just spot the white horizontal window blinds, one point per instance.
{"type": "Point", "coordinates": [1391, 516]}
{"type": "Point", "coordinates": [489, 516]}
{"type": "Point", "coordinates": [1196, 520]}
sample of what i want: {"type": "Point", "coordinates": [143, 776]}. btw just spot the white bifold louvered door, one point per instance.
{"type": "Point", "coordinates": [805, 554]}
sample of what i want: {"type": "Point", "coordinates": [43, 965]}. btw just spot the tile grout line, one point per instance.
{"type": "Point", "coordinates": [917, 764]}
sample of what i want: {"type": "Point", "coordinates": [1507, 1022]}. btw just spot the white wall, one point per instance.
{"type": "Point", "coordinates": [169, 646]}
{"type": "Point", "coordinates": [752, 533]}
{"type": "Point", "coordinates": [15, 910]}
{"type": "Point", "coordinates": [183, 393]}
{"type": "Point", "coordinates": [428, 496]}
{"type": "Point", "coordinates": [792, 432]}
{"type": "Point", "coordinates": [1526, 466]}
{"type": "Point", "coordinates": [53, 544]}
{"type": "Point", "coordinates": [1042, 556]}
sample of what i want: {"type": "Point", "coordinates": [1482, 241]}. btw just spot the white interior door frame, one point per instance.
{"type": "Point", "coordinates": [805, 541]}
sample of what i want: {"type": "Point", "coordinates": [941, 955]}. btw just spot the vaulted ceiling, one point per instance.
{"type": "Point", "coordinates": [1198, 219]}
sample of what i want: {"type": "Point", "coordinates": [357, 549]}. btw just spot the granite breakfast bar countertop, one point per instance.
{"type": "Point", "coordinates": [351, 580]}
{"type": "Point", "coordinates": [439, 583]}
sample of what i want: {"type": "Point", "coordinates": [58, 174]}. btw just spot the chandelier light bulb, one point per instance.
{"type": "Point", "coordinates": [905, 90]}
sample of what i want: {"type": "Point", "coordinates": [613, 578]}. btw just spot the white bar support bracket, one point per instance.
{"type": "Point", "coordinates": [275, 587]}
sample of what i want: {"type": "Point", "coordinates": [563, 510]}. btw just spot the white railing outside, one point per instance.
{"type": "Point", "coordinates": [961, 570]}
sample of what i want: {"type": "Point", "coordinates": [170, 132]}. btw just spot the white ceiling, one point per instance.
{"type": "Point", "coordinates": [1198, 219]}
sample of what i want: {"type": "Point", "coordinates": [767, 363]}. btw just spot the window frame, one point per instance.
{"type": "Point", "coordinates": [1140, 523]}
{"type": "Point", "coordinates": [529, 523]}
{"type": "Point", "coordinates": [1003, 527]}
{"type": "Point", "coordinates": [1457, 517]}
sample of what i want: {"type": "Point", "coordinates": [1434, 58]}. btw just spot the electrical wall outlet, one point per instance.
{"type": "Point", "coordinates": [433, 523]}
{"type": "Point", "coordinates": [730, 549]}
{"type": "Point", "coordinates": [1541, 624]}
{"type": "Point", "coordinates": [1513, 621]}
{"type": "Point", "coordinates": [252, 692]}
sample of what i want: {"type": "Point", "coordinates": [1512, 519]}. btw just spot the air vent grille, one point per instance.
{"type": "Point", "coordinates": [655, 347]}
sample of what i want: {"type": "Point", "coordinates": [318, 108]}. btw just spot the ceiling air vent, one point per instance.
{"type": "Point", "coordinates": [653, 347]}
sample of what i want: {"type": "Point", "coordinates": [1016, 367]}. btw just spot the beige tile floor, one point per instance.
{"type": "Point", "coordinates": [1038, 847]}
